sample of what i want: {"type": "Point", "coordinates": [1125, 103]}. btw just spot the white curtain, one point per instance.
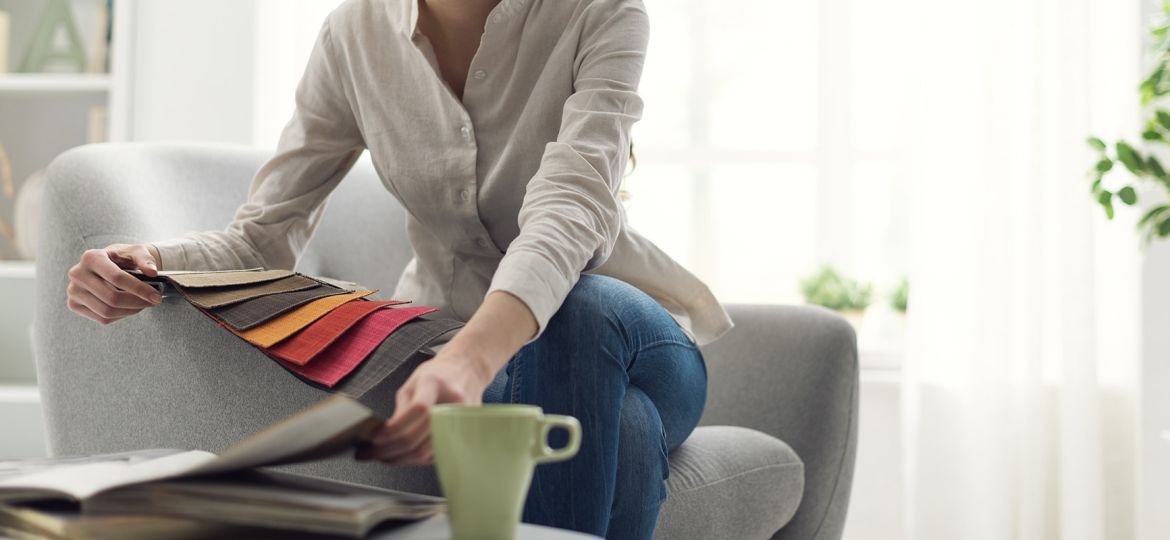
{"type": "Point", "coordinates": [1020, 387]}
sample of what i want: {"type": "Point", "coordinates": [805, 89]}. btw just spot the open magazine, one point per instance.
{"type": "Point", "coordinates": [226, 488]}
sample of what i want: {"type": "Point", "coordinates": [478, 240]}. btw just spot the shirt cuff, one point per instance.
{"type": "Point", "coordinates": [536, 281]}
{"type": "Point", "coordinates": [172, 254]}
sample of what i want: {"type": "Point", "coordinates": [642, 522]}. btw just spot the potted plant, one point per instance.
{"type": "Point", "coordinates": [830, 289]}
{"type": "Point", "coordinates": [1150, 177]}
{"type": "Point", "coordinates": [900, 296]}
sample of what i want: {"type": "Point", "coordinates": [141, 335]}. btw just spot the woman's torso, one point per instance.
{"type": "Point", "coordinates": [461, 167]}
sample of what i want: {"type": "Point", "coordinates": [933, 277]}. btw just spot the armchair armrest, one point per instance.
{"type": "Point", "coordinates": [168, 377]}
{"type": "Point", "coordinates": [791, 372]}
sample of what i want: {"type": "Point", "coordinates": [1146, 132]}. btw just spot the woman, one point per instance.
{"type": "Point", "coordinates": [502, 126]}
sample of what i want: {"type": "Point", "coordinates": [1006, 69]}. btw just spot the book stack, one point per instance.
{"type": "Point", "coordinates": [197, 494]}
{"type": "Point", "coordinates": [319, 330]}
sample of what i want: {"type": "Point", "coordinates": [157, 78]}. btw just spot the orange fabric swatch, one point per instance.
{"type": "Point", "coordinates": [312, 340]}
{"type": "Point", "coordinates": [276, 330]}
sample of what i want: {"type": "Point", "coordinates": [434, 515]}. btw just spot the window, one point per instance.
{"type": "Point", "coordinates": [771, 145]}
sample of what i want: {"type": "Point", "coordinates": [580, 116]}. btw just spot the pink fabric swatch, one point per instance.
{"type": "Point", "coordinates": [302, 346]}
{"type": "Point", "coordinates": [348, 352]}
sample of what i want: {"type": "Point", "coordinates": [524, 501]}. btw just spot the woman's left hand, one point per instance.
{"type": "Point", "coordinates": [450, 377]}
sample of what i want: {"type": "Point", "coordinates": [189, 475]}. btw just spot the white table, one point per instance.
{"type": "Point", "coordinates": [435, 528]}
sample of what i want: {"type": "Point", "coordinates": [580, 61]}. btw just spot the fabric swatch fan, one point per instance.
{"type": "Point", "coordinates": [329, 336]}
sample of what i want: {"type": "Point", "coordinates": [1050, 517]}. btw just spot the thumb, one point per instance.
{"type": "Point", "coordinates": [143, 261]}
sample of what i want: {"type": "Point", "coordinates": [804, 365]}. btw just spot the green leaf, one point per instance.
{"type": "Point", "coordinates": [1105, 198]}
{"type": "Point", "coordinates": [1127, 195]}
{"type": "Point", "coordinates": [1153, 87]}
{"type": "Point", "coordinates": [1105, 165]}
{"type": "Point", "coordinates": [1096, 184]}
{"type": "Point", "coordinates": [1097, 143]}
{"type": "Point", "coordinates": [1155, 167]}
{"type": "Point", "coordinates": [1164, 228]}
{"type": "Point", "coordinates": [1153, 213]}
{"type": "Point", "coordinates": [1151, 135]}
{"type": "Point", "coordinates": [1163, 118]}
{"type": "Point", "coordinates": [1129, 157]}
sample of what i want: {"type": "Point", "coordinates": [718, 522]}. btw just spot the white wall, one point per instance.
{"type": "Point", "coordinates": [193, 70]}
{"type": "Point", "coordinates": [1154, 476]}
{"type": "Point", "coordinates": [876, 503]}
{"type": "Point", "coordinates": [218, 70]}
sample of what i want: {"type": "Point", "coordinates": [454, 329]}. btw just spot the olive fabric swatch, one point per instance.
{"type": "Point", "coordinates": [224, 279]}
{"type": "Point", "coordinates": [280, 328]}
{"type": "Point", "coordinates": [301, 348]}
{"type": "Point", "coordinates": [218, 297]}
{"type": "Point", "coordinates": [251, 313]}
{"type": "Point", "coordinates": [346, 357]}
{"type": "Point", "coordinates": [393, 354]}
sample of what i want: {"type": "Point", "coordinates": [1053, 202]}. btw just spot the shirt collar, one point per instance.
{"type": "Point", "coordinates": [503, 9]}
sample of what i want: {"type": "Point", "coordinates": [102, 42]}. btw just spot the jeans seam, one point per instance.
{"type": "Point", "coordinates": [665, 342]}
{"type": "Point", "coordinates": [515, 382]}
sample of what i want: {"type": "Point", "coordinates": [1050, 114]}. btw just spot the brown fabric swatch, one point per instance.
{"type": "Point", "coordinates": [224, 279]}
{"type": "Point", "coordinates": [250, 313]}
{"type": "Point", "coordinates": [393, 353]}
{"type": "Point", "coordinates": [217, 297]}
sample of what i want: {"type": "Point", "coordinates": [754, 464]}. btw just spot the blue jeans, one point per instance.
{"type": "Point", "coordinates": [614, 359]}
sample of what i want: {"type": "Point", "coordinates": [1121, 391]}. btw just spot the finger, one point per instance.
{"type": "Point", "coordinates": [402, 401]}
{"type": "Point", "coordinates": [143, 261]}
{"type": "Point", "coordinates": [403, 427]}
{"type": "Point", "coordinates": [403, 395]}
{"type": "Point", "coordinates": [80, 309]}
{"type": "Point", "coordinates": [101, 264]}
{"type": "Point", "coordinates": [106, 292]}
{"type": "Point", "coordinates": [415, 454]}
{"type": "Point", "coordinates": [397, 442]}
{"type": "Point", "coordinates": [95, 305]}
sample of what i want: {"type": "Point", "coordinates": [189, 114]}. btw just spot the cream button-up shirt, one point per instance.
{"type": "Point", "coordinates": [513, 188]}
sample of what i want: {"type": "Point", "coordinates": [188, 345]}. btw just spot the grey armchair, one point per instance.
{"type": "Point", "coordinates": [773, 458]}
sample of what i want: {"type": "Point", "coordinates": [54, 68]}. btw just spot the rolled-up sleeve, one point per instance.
{"type": "Point", "coordinates": [317, 148]}
{"type": "Point", "coordinates": [571, 214]}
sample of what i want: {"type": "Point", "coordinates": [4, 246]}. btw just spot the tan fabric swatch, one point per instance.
{"type": "Point", "coordinates": [225, 279]}
{"type": "Point", "coordinates": [215, 297]}
{"type": "Point", "coordinates": [276, 330]}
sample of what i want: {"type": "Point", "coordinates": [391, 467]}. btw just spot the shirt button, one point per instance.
{"type": "Point", "coordinates": [466, 132]}
{"type": "Point", "coordinates": [481, 242]}
{"type": "Point", "coordinates": [479, 74]}
{"type": "Point", "coordinates": [465, 194]}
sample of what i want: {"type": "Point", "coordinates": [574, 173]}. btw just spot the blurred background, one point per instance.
{"type": "Point", "coordinates": [961, 180]}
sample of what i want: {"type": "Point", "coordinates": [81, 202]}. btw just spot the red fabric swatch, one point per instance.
{"type": "Point", "coordinates": [346, 354]}
{"type": "Point", "coordinates": [311, 340]}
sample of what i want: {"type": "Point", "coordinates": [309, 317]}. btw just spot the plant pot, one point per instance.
{"type": "Point", "coordinates": [855, 317]}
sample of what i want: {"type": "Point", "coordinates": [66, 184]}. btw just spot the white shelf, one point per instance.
{"type": "Point", "coordinates": [54, 83]}
{"type": "Point", "coordinates": [19, 393]}
{"type": "Point", "coordinates": [18, 269]}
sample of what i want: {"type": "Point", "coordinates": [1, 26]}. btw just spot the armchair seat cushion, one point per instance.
{"type": "Point", "coordinates": [730, 482]}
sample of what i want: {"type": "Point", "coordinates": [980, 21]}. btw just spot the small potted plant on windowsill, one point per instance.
{"type": "Point", "coordinates": [844, 295]}
{"type": "Point", "coordinates": [900, 297]}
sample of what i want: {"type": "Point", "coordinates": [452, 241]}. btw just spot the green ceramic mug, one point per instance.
{"type": "Point", "coordinates": [485, 454]}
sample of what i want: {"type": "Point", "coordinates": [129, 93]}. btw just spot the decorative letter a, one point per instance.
{"type": "Point", "coordinates": [41, 52]}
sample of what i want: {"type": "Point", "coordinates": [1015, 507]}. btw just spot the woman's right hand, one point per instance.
{"type": "Point", "coordinates": [100, 288]}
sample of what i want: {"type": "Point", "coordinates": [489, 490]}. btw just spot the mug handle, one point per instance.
{"type": "Point", "coordinates": [545, 454]}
